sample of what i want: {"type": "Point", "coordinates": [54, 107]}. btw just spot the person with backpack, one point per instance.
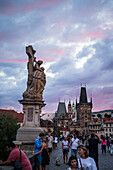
{"type": "Point", "coordinates": [17, 158]}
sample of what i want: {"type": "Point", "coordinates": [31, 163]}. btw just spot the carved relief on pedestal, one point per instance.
{"type": "Point", "coordinates": [30, 115]}
{"type": "Point", "coordinates": [36, 77]}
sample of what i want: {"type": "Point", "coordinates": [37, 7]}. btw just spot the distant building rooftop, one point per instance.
{"type": "Point", "coordinates": [13, 113]}
{"type": "Point", "coordinates": [46, 123]}
{"type": "Point", "coordinates": [102, 111]}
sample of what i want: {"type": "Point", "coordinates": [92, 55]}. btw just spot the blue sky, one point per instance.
{"type": "Point", "coordinates": [74, 38]}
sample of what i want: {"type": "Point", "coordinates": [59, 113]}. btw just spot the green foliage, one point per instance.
{"type": "Point", "coordinates": [99, 116]}
{"type": "Point", "coordinates": [8, 130]}
{"type": "Point", "coordinates": [105, 115]}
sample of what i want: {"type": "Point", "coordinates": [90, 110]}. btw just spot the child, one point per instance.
{"type": "Point", "coordinates": [45, 156]}
{"type": "Point", "coordinates": [73, 163]}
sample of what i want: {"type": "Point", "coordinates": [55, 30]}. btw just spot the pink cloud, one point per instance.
{"type": "Point", "coordinates": [46, 59]}
{"type": "Point", "coordinates": [82, 37]}
{"type": "Point", "coordinates": [55, 51]}
{"type": "Point", "coordinates": [1, 35]}
{"type": "Point", "coordinates": [50, 54]}
{"type": "Point", "coordinates": [36, 5]}
{"type": "Point", "coordinates": [13, 61]}
{"type": "Point", "coordinates": [93, 35]}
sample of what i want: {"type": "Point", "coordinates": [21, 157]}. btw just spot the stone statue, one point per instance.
{"type": "Point", "coordinates": [36, 77]}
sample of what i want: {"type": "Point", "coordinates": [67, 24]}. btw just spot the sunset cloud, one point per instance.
{"type": "Point", "coordinates": [75, 41]}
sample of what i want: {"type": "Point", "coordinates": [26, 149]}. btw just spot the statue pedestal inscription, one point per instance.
{"type": "Point", "coordinates": [32, 100]}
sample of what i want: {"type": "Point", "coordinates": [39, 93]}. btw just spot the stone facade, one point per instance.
{"type": "Point", "coordinates": [78, 117]}
{"type": "Point", "coordinates": [61, 118]}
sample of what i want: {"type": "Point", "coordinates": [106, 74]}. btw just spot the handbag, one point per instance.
{"type": "Point", "coordinates": [82, 168]}
{"type": "Point", "coordinates": [17, 164]}
{"type": "Point", "coordinates": [81, 165]}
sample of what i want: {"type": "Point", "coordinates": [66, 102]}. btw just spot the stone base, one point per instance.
{"type": "Point", "coordinates": [28, 133]}
{"type": "Point", "coordinates": [26, 146]}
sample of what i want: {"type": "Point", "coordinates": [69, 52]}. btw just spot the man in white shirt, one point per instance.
{"type": "Point", "coordinates": [50, 143]}
{"type": "Point", "coordinates": [74, 144]}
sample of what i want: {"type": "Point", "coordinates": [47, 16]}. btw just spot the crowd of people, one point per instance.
{"type": "Point", "coordinates": [84, 151]}
{"type": "Point", "coordinates": [80, 158]}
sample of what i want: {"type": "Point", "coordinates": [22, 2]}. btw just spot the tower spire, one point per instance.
{"type": "Point", "coordinates": [83, 95]}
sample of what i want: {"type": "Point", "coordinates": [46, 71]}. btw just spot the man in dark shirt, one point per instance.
{"type": "Point", "coordinates": [93, 148]}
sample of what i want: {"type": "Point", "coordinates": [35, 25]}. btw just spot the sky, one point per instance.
{"type": "Point", "coordinates": [74, 38]}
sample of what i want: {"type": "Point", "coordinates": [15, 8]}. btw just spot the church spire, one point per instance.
{"type": "Point", "coordinates": [69, 104]}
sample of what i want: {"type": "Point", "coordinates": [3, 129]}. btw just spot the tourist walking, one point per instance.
{"type": "Point", "coordinates": [15, 156]}
{"type": "Point", "coordinates": [55, 141]}
{"type": "Point", "coordinates": [111, 145]}
{"type": "Point", "coordinates": [45, 156]}
{"type": "Point", "coordinates": [86, 144]}
{"type": "Point", "coordinates": [93, 147]}
{"type": "Point", "coordinates": [108, 143]}
{"type": "Point", "coordinates": [65, 149]}
{"type": "Point", "coordinates": [85, 162]}
{"type": "Point", "coordinates": [49, 143]}
{"type": "Point", "coordinates": [73, 163]}
{"type": "Point", "coordinates": [103, 140]}
{"type": "Point", "coordinates": [38, 146]}
{"type": "Point", "coordinates": [74, 144]}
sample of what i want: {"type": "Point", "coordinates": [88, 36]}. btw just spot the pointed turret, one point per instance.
{"type": "Point", "coordinates": [61, 109]}
{"type": "Point", "coordinates": [83, 95]}
{"type": "Point", "coordinates": [76, 101]}
{"type": "Point", "coordinates": [69, 108]}
{"type": "Point", "coordinates": [69, 104]}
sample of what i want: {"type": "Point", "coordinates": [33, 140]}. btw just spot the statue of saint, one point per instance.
{"type": "Point", "coordinates": [36, 77]}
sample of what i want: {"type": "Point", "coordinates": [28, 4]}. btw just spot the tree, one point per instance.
{"type": "Point", "coordinates": [105, 115]}
{"type": "Point", "coordinates": [99, 116]}
{"type": "Point", "coordinates": [8, 130]}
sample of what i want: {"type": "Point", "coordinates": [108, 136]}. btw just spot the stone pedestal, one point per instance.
{"type": "Point", "coordinates": [28, 133]}
{"type": "Point", "coordinates": [31, 123]}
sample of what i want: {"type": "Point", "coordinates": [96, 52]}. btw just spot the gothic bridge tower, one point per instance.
{"type": "Point", "coordinates": [84, 110]}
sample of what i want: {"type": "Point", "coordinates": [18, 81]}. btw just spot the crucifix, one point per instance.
{"type": "Point", "coordinates": [30, 52]}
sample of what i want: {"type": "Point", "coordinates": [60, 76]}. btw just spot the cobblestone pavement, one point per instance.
{"type": "Point", "coordinates": [105, 160]}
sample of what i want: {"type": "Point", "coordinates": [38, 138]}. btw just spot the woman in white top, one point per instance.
{"type": "Point", "coordinates": [85, 162]}
{"type": "Point", "coordinates": [65, 148]}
